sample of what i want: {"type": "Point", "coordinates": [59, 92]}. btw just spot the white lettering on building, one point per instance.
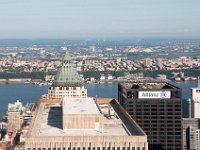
{"type": "Point", "coordinates": [154, 94]}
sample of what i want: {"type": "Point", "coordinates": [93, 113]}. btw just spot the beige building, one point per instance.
{"type": "Point", "coordinates": [81, 114]}
{"type": "Point", "coordinates": [15, 116]}
{"type": "Point", "coordinates": [69, 120]}
{"type": "Point", "coordinates": [15, 119]}
{"type": "Point", "coordinates": [80, 124]}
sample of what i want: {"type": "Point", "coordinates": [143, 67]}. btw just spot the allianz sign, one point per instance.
{"type": "Point", "coordinates": [154, 94]}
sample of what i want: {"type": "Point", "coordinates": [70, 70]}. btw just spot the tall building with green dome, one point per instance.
{"type": "Point", "coordinates": [69, 120]}
{"type": "Point", "coordinates": [68, 82]}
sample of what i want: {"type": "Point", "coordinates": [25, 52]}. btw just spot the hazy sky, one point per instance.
{"type": "Point", "coordinates": [74, 18]}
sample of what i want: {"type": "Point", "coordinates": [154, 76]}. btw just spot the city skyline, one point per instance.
{"type": "Point", "coordinates": [84, 18]}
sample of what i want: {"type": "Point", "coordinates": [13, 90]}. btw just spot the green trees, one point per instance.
{"type": "Point", "coordinates": [32, 75]}
{"type": "Point", "coordinates": [96, 74]}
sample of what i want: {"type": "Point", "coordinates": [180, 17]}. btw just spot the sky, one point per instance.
{"type": "Point", "coordinates": [98, 18]}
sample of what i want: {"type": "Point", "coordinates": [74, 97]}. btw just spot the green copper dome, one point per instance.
{"type": "Point", "coordinates": [67, 73]}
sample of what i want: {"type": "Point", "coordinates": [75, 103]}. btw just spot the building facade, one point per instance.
{"type": "Point", "coordinates": [195, 102]}
{"type": "Point", "coordinates": [15, 115]}
{"type": "Point", "coordinates": [191, 136]}
{"type": "Point", "coordinates": [156, 107]}
{"type": "Point", "coordinates": [67, 81]}
{"type": "Point", "coordinates": [67, 119]}
{"type": "Point", "coordinates": [191, 125]}
{"type": "Point", "coordinates": [105, 126]}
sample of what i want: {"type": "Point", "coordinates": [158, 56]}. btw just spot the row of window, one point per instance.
{"type": "Point", "coordinates": [90, 148]}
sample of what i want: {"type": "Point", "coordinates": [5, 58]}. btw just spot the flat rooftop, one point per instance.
{"type": "Point", "coordinates": [148, 85]}
{"type": "Point", "coordinates": [80, 106]}
{"type": "Point", "coordinates": [48, 122]}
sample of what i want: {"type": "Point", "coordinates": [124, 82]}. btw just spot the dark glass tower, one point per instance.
{"type": "Point", "coordinates": [156, 107]}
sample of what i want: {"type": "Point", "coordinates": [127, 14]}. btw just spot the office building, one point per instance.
{"type": "Point", "coordinates": [15, 115]}
{"type": "Point", "coordinates": [77, 122]}
{"type": "Point", "coordinates": [191, 125]}
{"type": "Point", "coordinates": [195, 101]}
{"type": "Point", "coordinates": [156, 107]}
{"type": "Point", "coordinates": [67, 81]}
{"type": "Point", "coordinates": [84, 124]}
{"type": "Point", "coordinates": [191, 136]}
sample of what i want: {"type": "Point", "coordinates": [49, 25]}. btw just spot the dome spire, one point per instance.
{"type": "Point", "coordinates": [67, 73]}
{"type": "Point", "coordinates": [67, 58]}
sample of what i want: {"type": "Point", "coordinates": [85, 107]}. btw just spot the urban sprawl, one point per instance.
{"type": "Point", "coordinates": [146, 116]}
{"type": "Point", "coordinates": [97, 61]}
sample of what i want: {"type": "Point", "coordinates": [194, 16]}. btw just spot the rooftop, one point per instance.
{"type": "Point", "coordinates": [67, 73]}
{"type": "Point", "coordinates": [17, 106]}
{"type": "Point", "coordinates": [48, 121]}
{"type": "Point", "coordinates": [148, 85]}
{"type": "Point", "coordinates": [80, 106]}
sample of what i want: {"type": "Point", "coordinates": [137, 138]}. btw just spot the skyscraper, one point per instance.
{"type": "Point", "coordinates": [156, 107]}
{"type": "Point", "coordinates": [191, 125]}
{"type": "Point", "coordinates": [67, 81]}
{"type": "Point", "coordinates": [15, 116]}
{"type": "Point", "coordinates": [195, 101]}
{"type": "Point", "coordinates": [191, 133]}
{"type": "Point", "coordinates": [73, 121]}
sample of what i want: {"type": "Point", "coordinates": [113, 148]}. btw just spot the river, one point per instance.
{"type": "Point", "coordinates": [9, 93]}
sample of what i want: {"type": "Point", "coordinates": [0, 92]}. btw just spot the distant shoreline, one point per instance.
{"type": "Point", "coordinates": [19, 81]}
{"type": "Point", "coordinates": [41, 82]}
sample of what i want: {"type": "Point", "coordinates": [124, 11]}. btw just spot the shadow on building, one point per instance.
{"type": "Point", "coordinates": [55, 117]}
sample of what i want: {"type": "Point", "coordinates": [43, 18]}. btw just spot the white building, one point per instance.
{"type": "Point", "coordinates": [109, 77]}
{"type": "Point", "coordinates": [195, 101]}
{"type": "Point", "coordinates": [15, 117]}
{"type": "Point", "coordinates": [102, 77]}
{"type": "Point", "coordinates": [191, 125]}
